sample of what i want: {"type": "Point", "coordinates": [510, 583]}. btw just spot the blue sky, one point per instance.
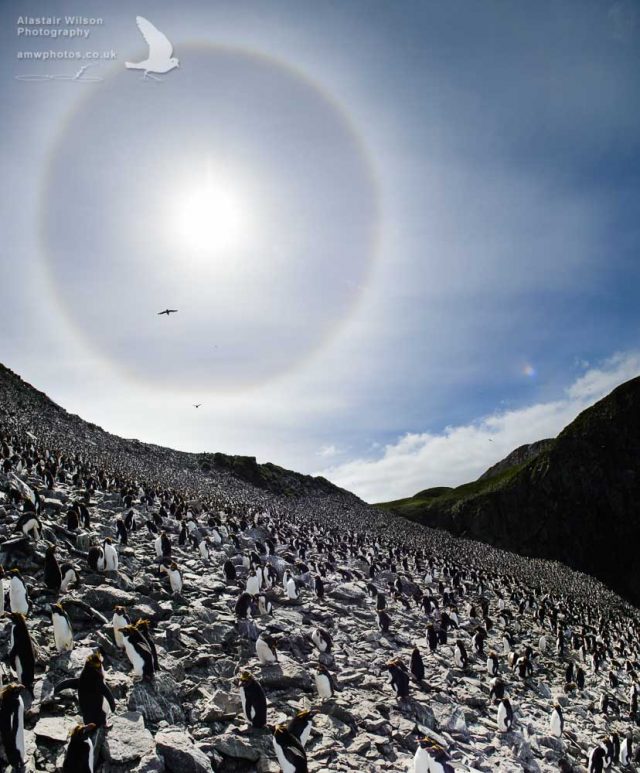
{"type": "Point", "coordinates": [392, 229]}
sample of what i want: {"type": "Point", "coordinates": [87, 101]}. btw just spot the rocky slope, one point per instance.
{"type": "Point", "coordinates": [575, 501]}
{"type": "Point", "coordinates": [521, 455]}
{"type": "Point", "coordinates": [187, 716]}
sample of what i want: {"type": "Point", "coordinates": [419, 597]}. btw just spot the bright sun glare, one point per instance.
{"type": "Point", "coordinates": [209, 218]}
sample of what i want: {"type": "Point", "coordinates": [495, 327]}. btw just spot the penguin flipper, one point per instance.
{"type": "Point", "coordinates": [109, 696]}
{"type": "Point", "coordinates": [66, 684]}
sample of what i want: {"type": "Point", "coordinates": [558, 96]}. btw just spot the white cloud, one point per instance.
{"type": "Point", "coordinates": [329, 451]}
{"type": "Point", "coordinates": [459, 454]}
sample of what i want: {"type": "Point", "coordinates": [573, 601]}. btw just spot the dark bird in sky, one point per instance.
{"type": "Point", "coordinates": [168, 311]}
{"type": "Point", "coordinates": [197, 405]}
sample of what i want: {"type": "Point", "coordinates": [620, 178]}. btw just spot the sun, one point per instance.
{"type": "Point", "coordinates": [209, 218]}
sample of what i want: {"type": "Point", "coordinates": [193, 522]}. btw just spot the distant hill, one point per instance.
{"type": "Point", "coordinates": [24, 407]}
{"type": "Point", "coordinates": [575, 498]}
{"type": "Point", "coordinates": [521, 455]}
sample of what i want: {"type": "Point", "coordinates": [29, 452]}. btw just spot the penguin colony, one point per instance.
{"type": "Point", "coordinates": [275, 633]}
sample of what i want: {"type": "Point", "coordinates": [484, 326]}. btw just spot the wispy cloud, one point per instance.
{"type": "Point", "coordinates": [329, 451]}
{"type": "Point", "coordinates": [417, 461]}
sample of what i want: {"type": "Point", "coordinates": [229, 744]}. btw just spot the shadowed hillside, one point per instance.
{"type": "Point", "coordinates": [577, 499]}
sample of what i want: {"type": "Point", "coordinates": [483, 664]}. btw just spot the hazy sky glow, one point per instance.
{"type": "Point", "coordinates": [392, 229]}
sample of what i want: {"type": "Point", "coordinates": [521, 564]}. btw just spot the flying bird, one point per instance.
{"type": "Point", "coordinates": [168, 311]}
{"type": "Point", "coordinates": [197, 405]}
{"type": "Point", "coordinates": [160, 59]}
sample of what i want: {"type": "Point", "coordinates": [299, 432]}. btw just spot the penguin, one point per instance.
{"type": "Point", "coordinates": [596, 760]}
{"type": "Point", "coordinates": [417, 665]}
{"type": "Point", "coordinates": [143, 626]}
{"type": "Point", "coordinates": [300, 725]}
{"type": "Point", "coordinates": [1, 589]}
{"type": "Point", "coordinates": [73, 519]}
{"type": "Point", "coordinates": [478, 640]}
{"type": "Point", "coordinates": [12, 725]}
{"type": "Point", "coordinates": [324, 682]}
{"type": "Point", "coordinates": [52, 573]}
{"type": "Point", "coordinates": [138, 652]}
{"type": "Point", "coordinates": [162, 544]}
{"type": "Point", "coordinates": [399, 679]}
{"type": "Point", "coordinates": [607, 745]}
{"type": "Point", "coordinates": [21, 654]}
{"type": "Point", "coordinates": [69, 575]}
{"type": "Point", "coordinates": [556, 722]}
{"type": "Point", "coordinates": [318, 587]}
{"type": "Point", "coordinates": [290, 753]}
{"type": "Point", "coordinates": [626, 751]}
{"type": "Point", "coordinates": [175, 577]}
{"type": "Point", "coordinates": [183, 536]}
{"type": "Point", "coordinates": [384, 621]}
{"type": "Point", "coordinates": [120, 620]}
{"type": "Point", "coordinates": [203, 549]}
{"type": "Point", "coordinates": [95, 559]}
{"type": "Point", "coordinates": [496, 694]}
{"type": "Point", "coordinates": [79, 757]}
{"type": "Point", "coordinates": [243, 606]}
{"type": "Point", "coordinates": [460, 657]}
{"type": "Point", "coordinates": [436, 757]}
{"type": "Point", "coordinates": [492, 664]}
{"type": "Point", "coordinates": [29, 524]}
{"type": "Point", "coordinates": [121, 532]}
{"type": "Point", "coordinates": [94, 695]}
{"type": "Point", "coordinates": [505, 716]}
{"type": "Point", "coordinates": [254, 583]}
{"type": "Point", "coordinates": [254, 701]}
{"type": "Point", "coordinates": [62, 632]}
{"type": "Point", "coordinates": [230, 574]}
{"type": "Point", "coordinates": [422, 758]}
{"type": "Point", "coordinates": [266, 649]}
{"type": "Point", "coordinates": [432, 637]}
{"type": "Point", "coordinates": [291, 589]}
{"type": "Point", "coordinates": [110, 556]}
{"type": "Point", "coordinates": [18, 598]}
{"type": "Point", "coordinates": [265, 607]}
{"type": "Point", "coordinates": [322, 639]}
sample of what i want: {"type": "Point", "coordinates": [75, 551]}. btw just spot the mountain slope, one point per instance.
{"type": "Point", "coordinates": [22, 406]}
{"type": "Point", "coordinates": [576, 501]}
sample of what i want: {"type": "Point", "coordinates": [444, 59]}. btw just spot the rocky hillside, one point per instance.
{"type": "Point", "coordinates": [24, 407]}
{"type": "Point", "coordinates": [369, 642]}
{"type": "Point", "coordinates": [575, 501]}
{"type": "Point", "coordinates": [521, 455]}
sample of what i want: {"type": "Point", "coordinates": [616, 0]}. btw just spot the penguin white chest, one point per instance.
{"type": "Point", "coordinates": [285, 765]}
{"type": "Point", "coordinates": [292, 591]}
{"type": "Point", "coordinates": [18, 597]}
{"type": "Point", "coordinates": [323, 686]}
{"type": "Point", "coordinates": [249, 711]}
{"type": "Point", "coordinates": [137, 661]}
{"type": "Point", "coordinates": [110, 558]}
{"type": "Point", "coordinates": [264, 653]}
{"type": "Point", "coordinates": [555, 725]}
{"type": "Point", "coordinates": [175, 580]}
{"type": "Point", "coordinates": [253, 585]}
{"type": "Point", "coordinates": [62, 634]}
{"type": "Point", "coordinates": [20, 742]}
{"type": "Point", "coordinates": [69, 577]}
{"type": "Point", "coordinates": [421, 761]}
{"type": "Point", "coordinates": [118, 623]}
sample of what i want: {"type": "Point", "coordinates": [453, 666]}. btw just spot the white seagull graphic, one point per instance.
{"type": "Point", "coordinates": [160, 59]}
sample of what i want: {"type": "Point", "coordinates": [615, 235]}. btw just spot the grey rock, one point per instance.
{"type": "Point", "coordinates": [180, 754]}
{"type": "Point", "coordinates": [128, 740]}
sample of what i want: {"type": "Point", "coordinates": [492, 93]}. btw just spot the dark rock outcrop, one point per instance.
{"type": "Point", "coordinates": [576, 501]}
